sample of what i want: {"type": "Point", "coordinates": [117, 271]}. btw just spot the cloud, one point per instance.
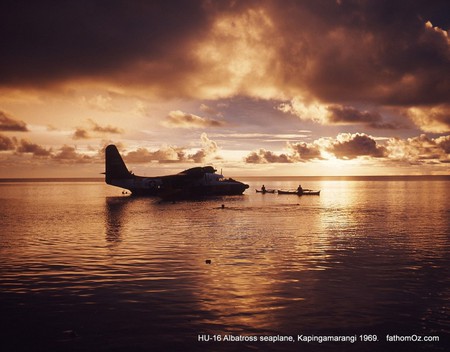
{"type": "Point", "coordinates": [209, 110]}
{"type": "Point", "coordinates": [69, 155]}
{"type": "Point", "coordinates": [65, 154]}
{"type": "Point", "coordinates": [99, 102]}
{"type": "Point", "coordinates": [364, 51]}
{"type": "Point", "coordinates": [263, 156]}
{"type": "Point", "coordinates": [105, 129]}
{"type": "Point", "coordinates": [263, 136]}
{"type": "Point", "coordinates": [172, 154]}
{"type": "Point", "coordinates": [347, 146]}
{"type": "Point", "coordinates": [7, 123]}
{"type": "Point", "coordinates": [83, 133]}
{"type": "Point", "coordinates": [419, 149]}
{"type": "Point", "coordinates": [334, 53]}
{"type": "Point", "coordinates": [343, 51]}
{"type": "Point", "coordinates": [346, 115]}
{"type": "Point", "coordinates": [338, 54]}
{"type": "Point", "coordinates": [163, 155]}
{"type": "Point", "coordinates": [181, 119]}
{"type": "Point", "coordinates": [51, 43]}
{"type": "Point", "coordinates": [238, 56]}
{"type": "Point", "coordinates": [350, 146]}
{"type": "Point", "coordinates": [32, 148]}
{"type": "Point", "coordinates": [208, 145]}
{"type": "Point", "coordinates": [334, 114]}
{"type": "Point", "coordinates": [297, 152]}
{"type": "Point", "coordinates": [444, 143]}
{"type": "Point", "coordinates": [7, 143]}
{"type": "Point", "coordinates": [209, 149]}
{"type": "Point", "coordinates": [434, 119]}
{"type": "Point", "coordinates": [140, 109]}
{"type": "Point", "coordinates": [305, 151]}
{"type": "Point", "coordinates": [344, 146]}
{"type": "Point", "coordinates": [311, 110]}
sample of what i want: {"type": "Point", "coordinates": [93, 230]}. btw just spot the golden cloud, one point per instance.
{"type": "Point", "coordinates": [347, 146]}
{"type": "Point", "coordinates": [435, 119]}
{"type": "Point", "coordinates": [7, 123]}
{"type": "Point", "coordinates": [180, 119]}
{"type": "Point", "coordinates": [326, 61]}
{"type": "Point", "coordinates": [169, 154]}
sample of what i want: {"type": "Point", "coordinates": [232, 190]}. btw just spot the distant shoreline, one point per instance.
{"type": "Point", "coordinates": [280, 178]}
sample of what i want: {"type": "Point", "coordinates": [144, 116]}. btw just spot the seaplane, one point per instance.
{"type": "Point", "coordinates": [190, 183]}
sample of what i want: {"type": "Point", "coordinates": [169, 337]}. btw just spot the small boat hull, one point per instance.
{"type": "Point", "coordinates": [310, 193]}
{"type": "Point", "coordinates": [265, 191]}
{"type": "Point", "coordinates": [304, 193]}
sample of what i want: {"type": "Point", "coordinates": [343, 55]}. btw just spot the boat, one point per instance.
{"type": "Point", "coordinates": [306, 192]}
{"type": "Point", "coordinates": [263, 191]}
{"type": "Point", "coordinates": [310, 193]}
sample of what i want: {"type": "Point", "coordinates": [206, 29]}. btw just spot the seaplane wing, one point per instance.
{"type": "Point", "coordinates": [197, 181]}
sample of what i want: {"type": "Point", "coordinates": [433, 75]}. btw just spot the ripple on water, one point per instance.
{"type": "Point", "coordinates": [351, 260]}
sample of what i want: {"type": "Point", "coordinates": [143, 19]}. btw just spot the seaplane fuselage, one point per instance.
{"type": "Point", "coordinates": [197, 181]}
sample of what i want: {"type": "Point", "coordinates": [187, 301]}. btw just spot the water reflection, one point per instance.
{"type": "Point", "coordinates": [362, 257]}
{"type": "Point", "coordinates": [249, 255]}
{"type": "Point", "coordinates": [115, 216]}
{"type": "Point", "coordinates": [380, 246]}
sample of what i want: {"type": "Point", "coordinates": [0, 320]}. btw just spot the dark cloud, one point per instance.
{"type": "Point", "coordinates": [69, 155]}
{"type": "Point", "coordinates": [105, 129]}
{"type": "Point", "coordinates": [349, 146]}
{"type": "Point", "coordinates": [32, 148]}
{"type": "Point", "coordinates": [65, 154]}
{"type": "Point", "coordinates": [338, 50]}
{"type": "Point", "coordinates": [81, 133]}
{"type": "Point", "coordinates": [7, 123]}
{"type": "Point", "coordinates": [373, 51]}
{"type": "Point", "coordinates": [7, 143]}
{"type": "Point", "coordinates": [263, 156]}
{"type": "Point", "coordinates": [339, 53]}
{"type": "Point", "coordinates": [305, 151]}
{"type": "Point", "coordinates": [199, 156]}
{"type": "Point", "coordinates": [50, 41]}
{"type": "Point", "coordinates": [181, 119]}
{"type": "Point", "coordinates": [339, 114]}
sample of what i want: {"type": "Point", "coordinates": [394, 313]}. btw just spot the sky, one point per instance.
{"type": "Point", "coordinates": [254, 88]}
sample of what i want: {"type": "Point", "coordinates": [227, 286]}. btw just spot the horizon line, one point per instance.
{"type": "Point", "coordinates": [101, 179]}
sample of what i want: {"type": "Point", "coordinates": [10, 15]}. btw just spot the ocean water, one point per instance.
{"type": "Point", "coordinates": [84, 267]}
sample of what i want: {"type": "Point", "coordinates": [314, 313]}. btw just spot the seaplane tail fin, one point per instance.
{"type": "Point", "coordinates": [115, 167]}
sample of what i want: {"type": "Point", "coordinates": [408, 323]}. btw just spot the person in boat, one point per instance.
{"type": "Point", "coordinates": [299, 189]}
{"type": "Point", "coordinates": [263, 188]}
